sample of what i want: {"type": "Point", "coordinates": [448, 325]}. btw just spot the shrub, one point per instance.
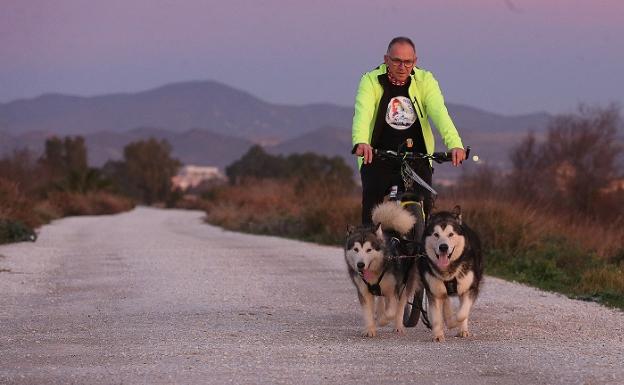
{"type": "Point", "coordinates": [99, 203]}
{"type": "Point", "coordinates": [15, 231]}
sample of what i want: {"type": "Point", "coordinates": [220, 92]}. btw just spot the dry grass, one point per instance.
{"type": "Point", "coordinates": [574, 256]}
{"type": "Point", "coordinates": [316, 212]}
{"type": "Point", "coordinates": [506, 224]}
{"type": "Point", "coordinates": [93, 203]}
{"type": "Point", "coordinates": [21, 212]}
{"type": "Point", "coordinates": [14, 205]}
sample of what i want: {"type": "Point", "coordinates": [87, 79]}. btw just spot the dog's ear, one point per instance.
{"type": "Point", "coordinates": [350, 229]}
{"type": "Point", "coordinates": [457, 213]}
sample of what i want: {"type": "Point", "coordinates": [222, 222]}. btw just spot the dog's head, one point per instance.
{"type": "Point", "coordinates": [364, 249]}
{"type": "Point", "coordinates": [444, 238]}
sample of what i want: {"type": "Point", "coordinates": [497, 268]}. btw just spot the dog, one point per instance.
{"type": "Point", "coordinates": [382, 278]}
{"type": "Point", "coordinates": [453, 266]}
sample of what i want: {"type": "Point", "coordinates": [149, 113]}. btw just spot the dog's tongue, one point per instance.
{"type": "Point", "coordinates": [367, 274]}
{"type": "Point", "coordinates": [443, 261]}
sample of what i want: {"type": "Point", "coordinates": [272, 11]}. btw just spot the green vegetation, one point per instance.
{"type": "Point", "coordinates": [147, 170]}
{"type": "Point", "coordinates": [16, 231]}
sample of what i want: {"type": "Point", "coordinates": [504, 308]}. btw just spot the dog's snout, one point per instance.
{"type": "Point", "coordinates": [443, 248]}
{"type": "Point", "coordinates": [360, 265]}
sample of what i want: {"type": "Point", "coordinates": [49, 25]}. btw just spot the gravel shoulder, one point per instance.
{"type": "Point", "coordinates": [156, 296]}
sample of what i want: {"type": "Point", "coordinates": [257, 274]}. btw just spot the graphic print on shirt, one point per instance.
{"type": "Point", "coordinates": [400, 114]}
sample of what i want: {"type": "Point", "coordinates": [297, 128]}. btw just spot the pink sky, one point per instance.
{"type": "Point", "coordinates": [506, 56]}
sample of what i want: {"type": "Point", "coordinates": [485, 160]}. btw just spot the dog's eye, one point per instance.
{"type": "Point", "coordinates": [451, 234]}
{"type": "Point", "coordinates": [356, 249]}
{"type": "Point", "coordinates": [436, 235]}
{"type": "Point", "coordinates": [369, 250]}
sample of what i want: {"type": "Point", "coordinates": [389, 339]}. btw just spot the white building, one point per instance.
{"type": "Point", "coordinates": [191, 176]}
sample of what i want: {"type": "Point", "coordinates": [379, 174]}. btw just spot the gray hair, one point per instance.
{"type": "Point", "coordinates": [401, 40]}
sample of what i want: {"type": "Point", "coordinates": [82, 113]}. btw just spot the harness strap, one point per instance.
{"type": "Point", "coordinates": [374, 289]}
{"type": "Point", "coordinates": [451, 286]}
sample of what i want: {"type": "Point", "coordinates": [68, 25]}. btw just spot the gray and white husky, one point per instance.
{"type": "Point", "coordinates": [382, 278]}
{"type": "Point", "coordinates": [454, 266]}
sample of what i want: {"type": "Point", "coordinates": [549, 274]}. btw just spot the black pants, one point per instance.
{"type": "Point", "coordinates": [380, 175]}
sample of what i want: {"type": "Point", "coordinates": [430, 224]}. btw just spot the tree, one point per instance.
{"type": "Point", "coordinates": [65, 164]}
{"type": "Point", "coordinates": [150, 167]}
{"type": "Point", "coordinates": [256, 163]}
{"type": "Point", "coordinates": [65, 156]}
{"type": "Point", "coordinates": [575, 164]}
{"type": "Point", "coordinates": [305, 168]}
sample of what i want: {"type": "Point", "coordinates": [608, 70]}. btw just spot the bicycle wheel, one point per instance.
{"type": "Point", "coordinates": [412, 312]}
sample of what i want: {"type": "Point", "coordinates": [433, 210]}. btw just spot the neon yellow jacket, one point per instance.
{"type": "Point", "coordinates": [428, 102]}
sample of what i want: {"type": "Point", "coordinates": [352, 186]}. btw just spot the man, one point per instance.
{"type": "Point", "coordinates": [393, 103]}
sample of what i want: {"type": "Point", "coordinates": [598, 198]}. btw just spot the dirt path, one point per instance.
{"type": "Point", "coordinates": [155, 296]}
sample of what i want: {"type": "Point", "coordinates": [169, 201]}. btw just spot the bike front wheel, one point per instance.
{"type": "Point", "coordinates": [413, 310]}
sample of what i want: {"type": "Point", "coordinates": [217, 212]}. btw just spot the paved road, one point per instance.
{"type": "Point", "coordinates": [155, 296]}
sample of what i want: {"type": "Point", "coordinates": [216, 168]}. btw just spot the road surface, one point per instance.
{"type": "Point", "coordinates": [158, 297]}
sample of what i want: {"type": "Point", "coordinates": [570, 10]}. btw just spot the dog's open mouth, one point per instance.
{"type": "Point", "coordinates": [366, 274]}
{"type": "Point", "coordinates": [443, 260]}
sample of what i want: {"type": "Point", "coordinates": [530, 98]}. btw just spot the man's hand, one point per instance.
{"type": "Point", "coordinates": [366, 151]}
{"type": "Point", "coordinates": [459, 155]}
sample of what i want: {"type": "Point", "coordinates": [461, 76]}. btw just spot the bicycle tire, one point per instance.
{"type": "Point", "coordinates": [412, 312]}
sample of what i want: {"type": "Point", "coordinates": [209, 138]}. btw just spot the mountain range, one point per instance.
{"type": "Point", "coordinates": [209, 123]}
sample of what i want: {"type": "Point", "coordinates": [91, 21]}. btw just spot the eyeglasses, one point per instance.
{"type": "Point", "coordinates": [397, 62]}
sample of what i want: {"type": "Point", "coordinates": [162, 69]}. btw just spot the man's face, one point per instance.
{"type": "Point", "coordinates": [400, 60]}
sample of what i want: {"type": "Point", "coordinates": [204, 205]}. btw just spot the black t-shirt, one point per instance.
{"type": "Point", "coordinates": [397, 119]}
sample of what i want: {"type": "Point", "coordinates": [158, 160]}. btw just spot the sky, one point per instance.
{"type": "Point", "coordinates": [504, 56]}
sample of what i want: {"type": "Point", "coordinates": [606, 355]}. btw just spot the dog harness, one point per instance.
{"type": "Point", "coordinates": [451, 286]}
{"type": "Point", "coordinates": [397, 247]}
{"type": "Point", "coordinates": [374, 289]}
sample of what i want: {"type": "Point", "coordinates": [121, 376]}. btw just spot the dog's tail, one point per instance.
{"type": "Point", "coordinates": [393, 216]}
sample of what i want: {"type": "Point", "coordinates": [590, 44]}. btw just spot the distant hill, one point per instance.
{"type": "Point", "coordinates": [329, 141]}
{"type": "Point", "coordinates": [177, 107]}
{"type": "Point", "coordinates": [209, 123]}
{"type": "Point", "coordinates": [195, 146]}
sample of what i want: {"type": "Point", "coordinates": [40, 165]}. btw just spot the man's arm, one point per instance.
{"type": "Point", "coordinates": [436, 109]}
{"type": "Point", "coordinates": [362, 118]}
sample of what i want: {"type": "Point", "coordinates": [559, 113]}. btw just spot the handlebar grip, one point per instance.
{"type": "Point", "coordinates": [442, 156]}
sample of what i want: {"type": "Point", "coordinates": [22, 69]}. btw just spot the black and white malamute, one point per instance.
{"type": "Point", "coordinates": [454, 266]}
{"type": "Point", "coordinates": [382, 278]}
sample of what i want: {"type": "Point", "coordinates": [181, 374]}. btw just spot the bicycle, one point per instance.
{"type": "Point", "coordinates": [413, 200]}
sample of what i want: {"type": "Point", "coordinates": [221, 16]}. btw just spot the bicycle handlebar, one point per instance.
{"type": "Point", "coordinates": [438, 157]}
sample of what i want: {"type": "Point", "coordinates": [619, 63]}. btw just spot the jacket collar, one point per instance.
{"type": "Point", "coordinates": [416, 73]}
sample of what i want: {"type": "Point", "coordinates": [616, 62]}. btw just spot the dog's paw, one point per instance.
{"type": "Point", "coordinates": [369, 332]}
{"type": "Point", "coordinates": [451, 323]}
{"type": "Point", "coordinates": [439, 338]}
{"type": "Point", "coordinates": [383, 321]}
{"type": "Point", "coordinates": [399, 330]}
{"type": "Point", "coordinates": [463, 334]}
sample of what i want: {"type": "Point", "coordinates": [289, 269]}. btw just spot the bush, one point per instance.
{"type": "Point", "coordinates": [576, 168]}
{"type": "Point", "coordinates": [15, 231]}
{"type": "Point", "coordinates": [98, 203]}
{"type": "Point", "coordinates": [316, 212]}
{"type": "Point", "coordinates": [14, 205]}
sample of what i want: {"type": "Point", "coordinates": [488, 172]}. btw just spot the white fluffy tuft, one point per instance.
{"type": "Point", "coordinates": [393, 216]}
